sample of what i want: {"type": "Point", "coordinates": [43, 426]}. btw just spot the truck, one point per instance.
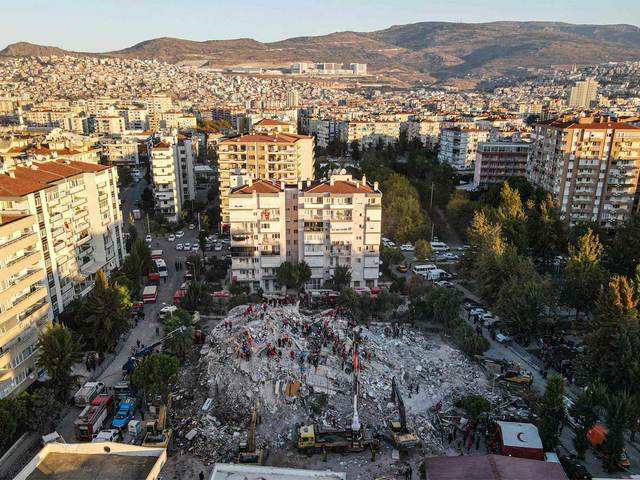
{"type": "Point", "coordinates": [125, 413]}
{"type": "Point", "coordinates": [150, 294]}
{"type": "Point", "coordinates": [122, 390]}
{"type": "Point", "coordinates": [112, 435]}
{"type": "Point", "coordinates": [92, 418]}
{"type": "Point", "coordinates": [597, 437]}
{"type": "Point", "coordinates": [133, 361]}
{"type": "Point", "coordinates": [313, 438]}
{"type": "Point", "coordinates": [167, 311]}
{"type": "Point", "coordinates": [156, 254]}
{"type": "Point", "coordinates": [87, 393]}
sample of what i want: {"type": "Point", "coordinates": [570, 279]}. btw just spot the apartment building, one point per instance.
{"type": "Point", "coordinates": [79, 222]}
{"type": "Point", "coordinates": [369, 133]}
{"type": "Point", "coordinates": [427, 132]}
{"type": "Point", "coordinates": [24, 305]}
{"type": "Point", "coordinates": [499, 160]}
{"type": "Point", "coordinates": [325, 224]}
{"type": "Point", "coordinates": [584, 93]}
{"type": "Point", "coordinates": [458, 146]}
{"type": "Point", "coordinates": [119, 151]}
{"type": "Point", "coordinates": [286, 158]}
{"type": "Point", "coordinates": [106, 124]}
{"type": "Point", "coordinates": [177, 119]}
{"type": "Point", "coordinates": [589, 165]}
{"type": "Point", "coordinates": [269, 126]}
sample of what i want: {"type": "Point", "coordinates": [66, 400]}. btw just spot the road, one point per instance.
{"type": "Point", "coordinates": [145, 330]}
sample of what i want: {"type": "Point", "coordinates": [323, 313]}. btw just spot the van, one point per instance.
{"type": "Point", "coordinates": [423, 269]}
{"type": "Point", "coordinates": [161, 266]}
{"type": "Point", "coordinates": [439, 247]}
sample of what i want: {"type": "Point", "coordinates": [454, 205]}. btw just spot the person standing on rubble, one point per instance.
{"type": "Point", "coordinates": [201, 475]}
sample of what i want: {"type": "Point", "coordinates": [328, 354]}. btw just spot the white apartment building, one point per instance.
{"type": "Point", "coordinates": [368, 134]}
{"type": "Point", "coordinates": [325, 224]}
{"type": "Point", "coordinates": [24, 304]}
{"type": "Point", "coordinates": [176, 119]}
{"type": "Point", "coordinates": [285, 158]}
{"type": "Point", "coordinates": [458, 146]}
{"type": "Point", "coordinates": [427, 132]}
{"type": "Point", "coordinates": [79, 222]}
{"type": "Point", "coordinates": [589, 165]}
{"type": "Point", "coordinates": [108, 124]}
{"type": "Point", "coordinates": [120, 151]}
{"type": "Point", "coordinates": [584, 93]}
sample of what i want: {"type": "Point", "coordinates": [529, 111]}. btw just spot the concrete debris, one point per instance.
{"type": "Point", "coordinates": [295, 368]}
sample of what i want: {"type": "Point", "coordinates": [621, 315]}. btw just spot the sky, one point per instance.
{"type": "Point", "coordinates": [104, 25]}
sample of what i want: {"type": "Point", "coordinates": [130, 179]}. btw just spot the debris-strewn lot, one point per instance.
{"type": "Point", "coordinates": [297, 369]}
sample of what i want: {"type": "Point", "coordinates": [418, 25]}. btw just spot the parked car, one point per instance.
{"type": "Point", "coordinates": [148, 239]}
{"type": "Point", "coordinates": [179, 246]}
{"type": "Point", "coordinates": [125, 413]}
{"type": "Point", "coordinates": [179, 234]}
{"type": "Point", "coordinates": [403, 268]}
{"type": "Point", "coordinates": [502, 337]}
{"type": "Point", "coordinates": [449, 256]}
{"type": "Point", "coordinates": [192, 226]}
{"type": "Point", "coordinates": [195, 248]}
{"type": "Point", "coordinates": [187, 246]}
{"type": "Point", "coordinates": [111, 435]}
{"type": "Point", "coordinates": [171, 238]}
{"type": "Point", "coordinates": [477, 311]}
{"type": "Point", "coordinates": [407, 247]}
{"type": "Point", "coordinates": [217, 247]}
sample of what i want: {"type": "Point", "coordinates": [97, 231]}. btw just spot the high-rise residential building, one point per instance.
{"type": "Point", "coordinates": [589, 165]}
{"type": "Point", "coordinates": [172, 172]}
{"type": "Point", "coordinates": [425, 131]}
{"type": "Point", "coordinates": [270, 126]}
{"type": "Point", "coordinates": [24, 303]}
{"type": "Point", "coordinates": [293, 99]}
{"type": "Point", "coordinates": [458, 146]}
{"type": "Point", "coordinates": [286, 158]}
{"type": "Point", "coordinates": [369, 133]}
{"type": "Point", "coordinates": [79, 221]}
{"type": "Point", "coordinates": [325, 224]}
{"type": "Point", "coordinates": [499, 160]}
{"type": "Point", "coordinates": [584, 93]}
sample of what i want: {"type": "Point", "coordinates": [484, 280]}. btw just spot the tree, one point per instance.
{"type": "Point", "coordinates": [341, 277]}
{"type": "Point", "coordinates": [355, 151]}
{"type": "Point", "coordinates": [404, 219]}
{"type": "Point", "coordinates": [293, 275]}
{"type": "Point", "coordinates": [104, 316]}
{"type": "Point", "coordinates": [391, 256]}
{"type": "Point", "coordinates": [147, 202]}
{"type": "Point", "coordinates": [44, 410]}
{"type": "Point", "coordinates": [202, 241]}
{"type": "Point", "coordinates": [124, 174]}
{"type": "Point", "coordinates": [58, 350]}
{"type": "Point", "coordinates": [386, 303]}
{"type": "Point", "coordinates": [197, 298]}
{"type": "Point", "coordinates": [552, 412]}
{"type": "Point", "coordinates": [195, 266]}
{"type": "Point", "coordinates": [474, 405]}
{"type": "Point", "coordinates": [13, 416]}
{"type": "Point", "coordinates": [584, 414]}
{"type": "Point", "coordinates": [545, 230]}
{"type": "Point", "coordinates": [423, 249]}
{"type": "Point", "coordinates": [181, 343]}
{"type": "Point", "coordinates": [617, 420]}
{"type": "Point", "coordinates": [155, 375]}
{"type": "Point", "coordinates": [522, 303]}
{"type": "Point", "coordinates": [623, 255]}
{"type": "Point", "coordinates": [512, 218]}
{"type": "Point", "coordinates": [583, 274]}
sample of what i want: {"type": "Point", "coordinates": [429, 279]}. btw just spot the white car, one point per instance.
{"type": "Point", "coordinates": [192, 226]}
{"type": "Point", "coordinates": [407, 247]}
{"type": "Point", "coordinates": [450, 256]}
{"type": "Point", "coordinates": [179, 246]}
{"type": "Point", "coordinates": [187, 246]}
{"type": "Point", "coordinates": [477, 311]}
{"type": "Point", "coordinates": [195, 248]}
{"type": "Point", "coordinates": [171, 238]}
{"type": "Point", "coordinates": [111, 435]}
{"type": "Point", "coordinates": [502, 337]}
{"type": "Point", "coordinates": [217, 247]}
{"type": "Point", "coordinates": [179, 234]}
{"type": "Point", "coordinates": [148, 239]}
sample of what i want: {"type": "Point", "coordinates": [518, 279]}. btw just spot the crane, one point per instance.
{"type": "Point", "coordinates": [134, 360]}
{"type": "Point", "coordinates": [401, 436]}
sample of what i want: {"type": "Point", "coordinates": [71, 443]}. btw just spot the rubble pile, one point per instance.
{"type": "Point", "coordinates": [294, 368]}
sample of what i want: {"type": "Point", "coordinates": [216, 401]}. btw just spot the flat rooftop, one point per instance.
{"type": "Point", "coordinates": [62, 466]}
{"type": "Point", "coordinates": [92, 461]}
{"type": "Point", "coordinates": [227, 471]}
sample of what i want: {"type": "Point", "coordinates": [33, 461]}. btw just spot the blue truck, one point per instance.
{"type": "Point", "coordinates": [125, 413]}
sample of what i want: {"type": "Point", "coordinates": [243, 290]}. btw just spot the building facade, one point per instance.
{"type": "Point", "coordinates": [589, 165]}
{"type": "Point", "coordinates": [325, 224]}
{"type": "Point", "coordinates": [458, 146]}
{"type": "Point", "coordinates": [584, 93]}
{"type": "Point", "coordinates": [285, 158]}
{"type": "Point", "coordinates": [497, 161]}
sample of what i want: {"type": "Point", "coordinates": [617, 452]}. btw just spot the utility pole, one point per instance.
{"type": "Point", "coordinates": [431, 200]}
{"type": "Point", "coordinates": [148, 225]}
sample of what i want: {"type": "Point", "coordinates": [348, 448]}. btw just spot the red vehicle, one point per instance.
{"type": "Point", "coordinates": [93, 418]}
{"type": "Point", "coordinates": [154, 278]}
{"type": "Point", "coordinates": [150, 294]}
{"type": "Point", "coordinates": [181, 292]}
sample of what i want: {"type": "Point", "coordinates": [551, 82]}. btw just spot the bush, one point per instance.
{"type": "Point", "coordinates": [469, 341]}
{"type": "Point", "coordinates": [474, 405]}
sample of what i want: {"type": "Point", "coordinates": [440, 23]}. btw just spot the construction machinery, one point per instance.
{"type": "Point", "coordinates": [156, 435]}
{"type": "Point", "coordinates": [134, 360]}
{"type": "Point", "coordinates": [247, 451]}
{"type": "Point", "coordinates": [401, 437]}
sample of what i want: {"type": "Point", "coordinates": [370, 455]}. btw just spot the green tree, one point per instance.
{"type": "Point", "coordinates": [197, 298]}
{"type": "Point", "coordinates": [583, 273]}
{"type": "Point", "coordinates": [617, 420]}
{"type": "Point", "coordinates": [180, 344]}
{"type": "Point", "coordinates": [391, 256]}
{"type": "Point", "coordinates": [355, 151]}
{"type": "Point", "coordinates": [156, 374]}
{"type": "Point", "coordinates": [545, 230]}
{"type": "Point", "coordinates": [13, 417]}
{"type": "Point", "coordinates": [512, 218]}
{"type": "Point", "coordinates": [423, 249]}
{"type": "Point", "coordinates": [623, 255]}
{"type": "Point", "coordinates": [293, 275]}
{"type": "Point", "coordinates": [522, 303]}
{"type": "Point", "coordinates": [195, 266]}
{"type": "Point", "coordinates": [341, 277]}
{"type": "Point", "coordinates": [58, 351]}
{"type": "Point", "coordinates": [124, 174]}
{"type": "Point", "coordinates": [404, 219]}
{"type": "Point", "coordinates": [147, 202]}
{"type": "Point", "coordinates": [386, 303]}
{"type": "Point", "coordinates": [44, 410]}
{"type": "Point", "coordinates": [474, 405]}
{"type": "Point", "coordinates": [552, 413]}
{"type": "Point", "coordinates": [202, 241]}
{"type": "Point", "coordinates": [584, 414]}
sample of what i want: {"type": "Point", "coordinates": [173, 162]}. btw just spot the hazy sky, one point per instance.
{"type": "Point", "coordinates": [102, 25]}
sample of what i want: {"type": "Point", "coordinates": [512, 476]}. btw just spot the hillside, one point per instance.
{"type": "Point", "coordinates": [423, 50]}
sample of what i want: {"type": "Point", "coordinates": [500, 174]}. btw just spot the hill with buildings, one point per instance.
{"type": "Point", "coordinates": [425, 50]}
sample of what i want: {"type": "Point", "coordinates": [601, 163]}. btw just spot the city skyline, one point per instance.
{"type": "Point", "coordinates": [90, 28]}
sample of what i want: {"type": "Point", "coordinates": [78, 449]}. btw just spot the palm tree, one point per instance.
{"type": "Point", "coordinates": [58, 352]}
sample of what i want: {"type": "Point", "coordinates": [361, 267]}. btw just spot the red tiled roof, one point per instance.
{"type": "Point", "coordinates": [270, 122]}
{"type": "Point", "coordinates": [48, 172]}
{"type": "Point", "coordinates": [258, 186]}
{"type": "Point", "coordinates": [340, 187]}
{"type": "Point", "coordinates": [257, 138]}
{"type": "Point", "coordinates": [18, 187]}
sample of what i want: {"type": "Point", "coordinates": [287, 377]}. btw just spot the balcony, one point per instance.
{"type": "Point", "coordinates": [19, 243]}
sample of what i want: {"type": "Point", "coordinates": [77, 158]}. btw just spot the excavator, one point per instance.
{"type": "Point", "coordinates": [247, 451]}
{"type": "Point", "coordinates": [401, 437]}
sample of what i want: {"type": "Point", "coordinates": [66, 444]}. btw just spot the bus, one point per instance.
{"type": "Point", "coordinates": [439, 246]}
{"type": "Point", "coordinates": [423, 269]}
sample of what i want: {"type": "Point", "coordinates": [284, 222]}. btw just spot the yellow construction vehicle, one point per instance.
{"type": "Point", "coordinates": [247, 451]}
{"type": "Point", "coordinates": [401, 437]}
{"type": "Point", "coordinates": [156, 435]}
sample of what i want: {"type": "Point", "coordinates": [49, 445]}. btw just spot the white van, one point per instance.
{"type": "Point", "coordinates": [423, 269]}
{"type": "Point", "coordinates": [439, 246]}
{"type": "Point", "coordinates": [161, 266]}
